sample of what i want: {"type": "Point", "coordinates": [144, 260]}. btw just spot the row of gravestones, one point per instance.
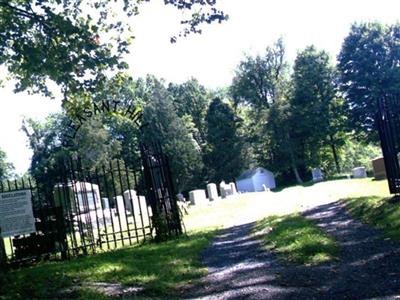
{"type": "Point", "coordinates": [198, 197]}
{"type": "Point", "coordinates": [359, 172]}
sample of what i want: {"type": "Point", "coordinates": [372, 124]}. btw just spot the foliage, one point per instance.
{"type": "Point", "coordinates": [166, 128]}
{"type": "Point", "coordinates": [73, 42]}
{"type": "Point", "coordinates": [223, 157]}
{"type": "Point", "coordinates": [356, 154]}
{"type": "Point", "coordinates": [258, 80]}
{"type": "Point", "coordinates": [377, 211]}
{"type": "Point", "coordinates": [368, 65]}
{"type": "Point", "coordinates": [158, 268]}
{"type": "Point", "coordinates": [6, 168]}
{"type": "Point", "coordinates": [191, 100]}
{"type": "Point", "coordinates": [296, 239]}
{"type": "Point", "coordinates": [313, 104]}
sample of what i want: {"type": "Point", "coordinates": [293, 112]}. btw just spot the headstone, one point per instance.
{"type": "Point", "coordinates": [359, 172]}
{"type": "Point", "coordinates": [378, 166]}
{"type": "Point", "coordinates": [198, 197]}
{"type": "Point", "coordinates": [317, 175]}
{"type": "Point", "coordinates": [180, 197]}
{"type": "Point", "coordinates": [121, 210]}
{"type": "Point", "coordinates": [222, 190]}
{"type": "Point", "coordinates": [232, 187]}
{"type": "Point", "coordinates": [130, 197]}
{"type": "Point", "coordinates": [212, 191]}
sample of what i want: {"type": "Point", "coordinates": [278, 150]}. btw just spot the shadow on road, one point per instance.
{"type": "Point", "coordinates": [369, 265]}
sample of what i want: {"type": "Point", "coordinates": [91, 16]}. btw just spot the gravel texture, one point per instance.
{"type": "Point", "coordinates": [368, 265]}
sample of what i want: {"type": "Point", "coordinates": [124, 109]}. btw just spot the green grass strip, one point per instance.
{"type": "Point", "coordinates": [296, 240]}
{"type": "Point", "coordinates": [159, 268]}
{"type": "Point", "coordinates": [378, 212]}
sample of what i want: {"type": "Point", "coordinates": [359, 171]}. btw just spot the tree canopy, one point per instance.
{"type": "Point", "coordinates": [74, 42]}
{"type": "Point", "coordinates": [369, 67]}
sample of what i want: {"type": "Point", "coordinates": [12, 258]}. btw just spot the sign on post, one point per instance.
{"type": "Point", "coordinates": [16, 215]}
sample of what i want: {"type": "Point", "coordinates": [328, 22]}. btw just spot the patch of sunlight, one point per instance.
{"type": "Point", "coordinates": [106, 268]}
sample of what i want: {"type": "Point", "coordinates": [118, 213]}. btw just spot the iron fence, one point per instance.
{"type": "Point", "coordinates": [83, 211]}
{"type": "Point", "coordinates": [388, 123]}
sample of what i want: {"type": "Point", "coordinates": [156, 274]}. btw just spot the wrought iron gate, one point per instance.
{"type": "Point", "coordinates": [99, 209]}
{"type": "Point", "coordinates": [388, 122]}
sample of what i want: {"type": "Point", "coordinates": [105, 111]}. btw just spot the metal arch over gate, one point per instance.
{"type": "Point", "coordinates": [388, 123]}
{"type": "Point", "coordinates": [99, 209]}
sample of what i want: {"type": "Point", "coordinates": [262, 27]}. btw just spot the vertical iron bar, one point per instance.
{"type": "Point", "coordinates": [122, 192]}
{"type": "Point", "coordinates": [109, 206]}
{"type": "Point", "coordinates": [133, 206]}
{"type": "Point", "coordinates": [116, 198]}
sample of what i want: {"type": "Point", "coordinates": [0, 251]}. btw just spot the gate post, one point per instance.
{"type": "Point", "coordinates": [160, 192]}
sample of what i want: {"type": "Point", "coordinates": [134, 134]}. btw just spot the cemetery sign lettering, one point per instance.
{"type": "Point", "coordinates": [16, 215]}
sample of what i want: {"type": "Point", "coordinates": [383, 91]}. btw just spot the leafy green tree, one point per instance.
{"type": "Point", "coordinates": [258, 80]}
{"type": "Point", "coordinates": [356, 154]}
{"type": "Point", "coordinates": [223, 158]}
{"type": "Point", "coordinates": [74, 42]}
{"type": "Point", "coordinates": [6, 168]}
{"type": "Point", "coordinates": [315, 114]}
{"type": "Point", "coordinates": [369, 67]}
{"type": "Point", "coordinates": [192, 99]}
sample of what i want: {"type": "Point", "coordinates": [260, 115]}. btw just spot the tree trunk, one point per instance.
{"type": "Point", "coordinates": [335, 157]}
{"type": "Point", "coordinates": [294, 168]}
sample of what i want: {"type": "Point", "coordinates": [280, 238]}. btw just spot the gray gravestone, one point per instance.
{"type": "Point", "coordinates": [359, 172]}
{"type": "Point", "coordinates": [212, 191]}
{"type": "Point", "coordinates": [222, 190]}
{"type": "Point", "coordinates": [317, 175]}
{"type": "Point", "coordinates": [198, 197]}
{"type": "Point", "coordinates": [232, 187]}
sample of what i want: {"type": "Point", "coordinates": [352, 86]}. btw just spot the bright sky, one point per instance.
{"type": "Point", "coordinates": [212, 56]}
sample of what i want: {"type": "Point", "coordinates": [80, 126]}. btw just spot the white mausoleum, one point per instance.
{"type": "Point", "coordinates": [255, 180]}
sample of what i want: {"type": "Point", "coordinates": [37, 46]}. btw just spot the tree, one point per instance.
{"type": "Point", "coordinates": [223, 158]}
{"type": "Point", "coordinates": [258, 80]}
{"type": "Point", "coordinates": [5, 167]}
{"type": "Point", "coordinates": [369, 67]}
{"type": "Point", "coordinates": [74, 42]}
{"type": "Point", "coordinates": [192, 99]}
{"type": "Point", "coordinates": [315, 115]}
{"type": "Point", "coordinates": [164, 126]}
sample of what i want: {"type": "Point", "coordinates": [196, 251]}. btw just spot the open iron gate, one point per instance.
{"type": "Point", "coordinates": [388, 122]}
{"type": "Point", "coordinates": [92, 210]}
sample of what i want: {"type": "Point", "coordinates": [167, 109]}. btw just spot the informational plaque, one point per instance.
{"type": "Point", "coordinates": [16, 215]}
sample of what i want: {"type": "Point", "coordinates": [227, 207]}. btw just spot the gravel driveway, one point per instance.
{"type": "Point", "coordinates": [368, 266]}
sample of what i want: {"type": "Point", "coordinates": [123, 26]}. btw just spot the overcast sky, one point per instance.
{"type": "Point", "coordinates": [212, 56]}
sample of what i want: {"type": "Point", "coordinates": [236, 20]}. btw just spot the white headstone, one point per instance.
{"type": "Point", "coordinates": [359, 172]}
{"type": "Point", "coordinates": [212, 191]}
{"type": "Point", "coordinates": [198, 197]}
{"type": "Point", "coordinates": [120, 210]}
{"type": "Point", "coordinates": [317, 175]}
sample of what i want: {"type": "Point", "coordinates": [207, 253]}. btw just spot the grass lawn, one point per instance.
{"type": "Point", "coordinates": [295, 239]}
{"type": "Point", "coordinates": [377, 211]}
{"type": "Point", "coordinates": [158, 268]}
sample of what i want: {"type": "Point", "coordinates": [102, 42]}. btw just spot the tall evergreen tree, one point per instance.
{"type": "Point", "coordinates": [223, 159]}
{"type": "Point", "coordinates": [166, 127]}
